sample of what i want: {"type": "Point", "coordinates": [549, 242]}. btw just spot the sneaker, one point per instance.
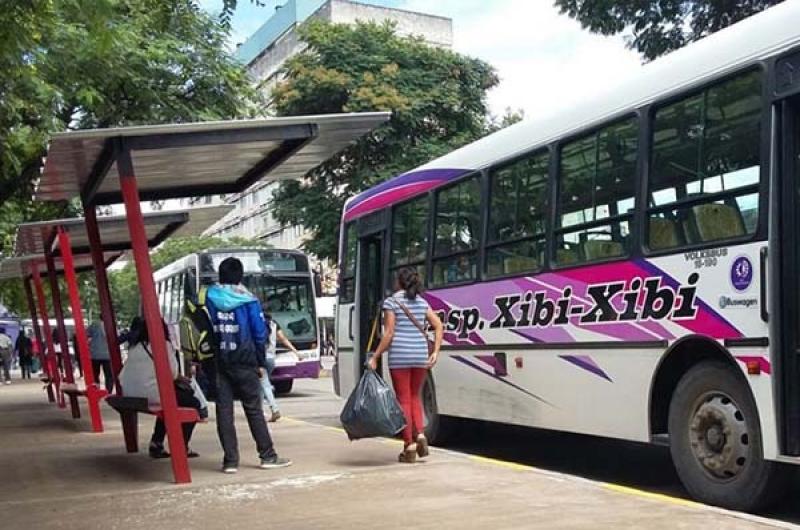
{"type": "Point", "coordinates": [276, 415]}
{"type": "Point", "coordinates": [8, 382]}
{"type": "Point", "coordinates": [275, 462]}
{"type": "Point", "coordinates": [230, 470]}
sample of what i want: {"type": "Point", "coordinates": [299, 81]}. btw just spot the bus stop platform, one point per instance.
{"type": "Point", "coordinates": [55, 473]}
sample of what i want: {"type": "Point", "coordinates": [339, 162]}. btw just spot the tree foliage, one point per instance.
{"type": "Point", "coordinates": [437, 99]}
{"type": "Point", "coordinates": [71, 64]}
{"type": "Point", "coordinates": [125, 287]}
{"type": "Point", "coordinates": [658, 27]}
{"type": "Point", "coordinates": [100, 63]}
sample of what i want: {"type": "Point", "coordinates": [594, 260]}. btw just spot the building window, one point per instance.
{"type": "Point", "coordinates": [410, 235]}
{"type": "Point", "coordinates": [517, 213]}
{"type": "Point", "coordinates": [706, 166]}
{"type": "Point", "coordinates": [456, 233]}
{"type": "Point", "coordinates": [597, 176]}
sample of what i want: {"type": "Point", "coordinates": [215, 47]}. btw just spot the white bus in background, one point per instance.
{"type": "Point", "coordinates": [281, 278]}
{"type": "Point", "coordinates": [627, 268]}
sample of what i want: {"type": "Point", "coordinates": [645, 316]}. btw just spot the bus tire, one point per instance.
{"type": "Point", "coordinates": [715, 440]}
{"type": "Point", "coordinates": [438, 428]}
{"type": "Point", "coordinates": [284, 386]}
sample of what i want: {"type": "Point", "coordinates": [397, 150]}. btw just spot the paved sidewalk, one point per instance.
{"type": "Point", "coordinates": [55, 474]}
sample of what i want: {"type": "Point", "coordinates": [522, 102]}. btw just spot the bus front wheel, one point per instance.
{"type": "Point", "coordinates": [284, 386]}
{"type": "Point", "coordinates": [715, 440]}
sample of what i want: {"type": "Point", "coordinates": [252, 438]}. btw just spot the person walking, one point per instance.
{"type": "Point", "coordinates": [6, 354]}
{"type": "Point", "coordinates": [98, 351]}
{"type": "Point", "coordinates": [275, 334]}
{"type": "Point", "coordinates": [138, 379]}
{"type": "Point", "coordinates": [242, 335]}
{"type": "Point", "coordinates": [24, 349]}
{"type": "Point", "coordinates": [409, 358]}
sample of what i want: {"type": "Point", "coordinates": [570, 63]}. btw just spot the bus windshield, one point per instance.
{"type": "Point", "coordinates": [290, 300]}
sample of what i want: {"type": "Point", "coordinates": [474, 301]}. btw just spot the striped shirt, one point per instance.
{"type": "Point", "coordinates": [409, 348]}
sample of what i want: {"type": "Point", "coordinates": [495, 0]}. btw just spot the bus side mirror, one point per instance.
{"type": "Point", "coordinates": [317, 284]}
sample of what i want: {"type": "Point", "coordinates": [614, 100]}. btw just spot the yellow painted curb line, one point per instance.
{"type": "Point", "coordinates": [501, 463]}
{"type": "Point", "coordinates": [654, 496]}
{"type": "Point", "coordinates": [607, 485]}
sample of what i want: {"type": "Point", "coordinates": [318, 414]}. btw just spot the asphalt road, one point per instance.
{"type": "Point", "coordinates": [640, 466]}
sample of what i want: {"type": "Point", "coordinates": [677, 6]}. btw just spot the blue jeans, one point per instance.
{"type": "Point", "coordinates": [266, 386]}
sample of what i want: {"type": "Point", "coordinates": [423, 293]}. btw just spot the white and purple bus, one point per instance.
{"type": "Point", "coordinates": [627, 268]}
{"type": "Point", "coordinates": [283, 279]}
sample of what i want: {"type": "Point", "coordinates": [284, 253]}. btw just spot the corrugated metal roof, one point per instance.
{"type": "Point", "coordinates": [18, 267]}
{"type": "Point", "coordinates": [182, 160]}
{"type": "Point", "coordinates": [31, 237]}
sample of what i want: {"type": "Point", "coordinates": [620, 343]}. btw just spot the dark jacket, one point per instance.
{"type": "Point", "coordinates": [239, 325]}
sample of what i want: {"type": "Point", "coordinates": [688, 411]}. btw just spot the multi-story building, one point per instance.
{"type": "Point", "coordinates": [264, 53]}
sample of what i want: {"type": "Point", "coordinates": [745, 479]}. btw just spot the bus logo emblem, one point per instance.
{"type": "Point", "coordinates": [741, 273]}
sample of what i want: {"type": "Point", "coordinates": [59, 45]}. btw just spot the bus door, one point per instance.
{"type": "Point", "coordinates": [784, 265]}
{"type": "Point", "coordinates": [370, 285]}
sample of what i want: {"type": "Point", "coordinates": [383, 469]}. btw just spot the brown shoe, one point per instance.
{"type": "Point", "coordinates": [422, 446]}
{"type": "Point", "coordinates": [409, 455]}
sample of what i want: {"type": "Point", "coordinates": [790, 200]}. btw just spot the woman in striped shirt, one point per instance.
{"type": "Point", "coordinates": [404, 315]}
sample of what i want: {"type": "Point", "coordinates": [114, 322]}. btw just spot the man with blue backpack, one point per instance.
{"type": "Point", "coordinates": [241, 337]}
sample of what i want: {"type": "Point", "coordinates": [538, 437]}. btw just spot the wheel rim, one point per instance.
{"type": "Point", "coordinates": [719, 437]}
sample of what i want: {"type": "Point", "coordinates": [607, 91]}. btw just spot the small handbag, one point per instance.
{"type": "Point", "coordinates": [412, 318]}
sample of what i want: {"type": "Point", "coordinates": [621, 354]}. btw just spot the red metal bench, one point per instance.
{"type": "Point", "coordinates": [129, 409]}
{"type": "Point", "coordinates": [93, 394]}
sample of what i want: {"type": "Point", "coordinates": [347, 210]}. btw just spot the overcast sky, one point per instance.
{"type": "Point", "coordinates": [545, 61]}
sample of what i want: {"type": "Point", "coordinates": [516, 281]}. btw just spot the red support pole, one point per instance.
{"type": "Point", "coordinates": [104, 293]}
{"type": "Point", "coordinates": [38, 334]}
{"type": "Point", "coordinates": [152, 316]}
{"type": "Point", "coordinates": [65, 245]}
{"type": "Point", "coordinates": [58, 310]}
{"type": "Point", "coordinates": [50, 362]}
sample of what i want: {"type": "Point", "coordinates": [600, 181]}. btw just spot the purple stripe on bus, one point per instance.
{"type": "Point", "coordinates": [404, 179]}
{"type": "Point", "coordinates": [481, 369]}
{"type": "Point", "coordinates": [390, 197]}
{"type": "Point", "coordinates": [703, 306]}
{"type": "Point", "coordinates": [588, 364]}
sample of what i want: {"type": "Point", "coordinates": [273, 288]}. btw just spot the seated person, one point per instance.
{"type": "Point", "coordinates": [138, 379]}
{"type": "Point", "coordinates": [460, 270]}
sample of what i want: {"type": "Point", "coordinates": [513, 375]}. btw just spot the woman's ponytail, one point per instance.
{"type": "Point", "coordinates": [409, 280]}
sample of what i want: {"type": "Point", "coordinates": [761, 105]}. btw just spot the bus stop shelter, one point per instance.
{"type": "Point", "coordinates": [132, 164]}
{"type": "Point", "coordinates": [30, 269]}
{"type": "Point", "coordinates": [65, 246]}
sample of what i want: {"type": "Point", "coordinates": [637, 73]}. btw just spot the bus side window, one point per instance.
{"type": "Point", "coordinates": [706, 165]}
{"type": "Point", "coordinates": [517, 211]}
{"type": "Point", "coordinates": [596, 186]}
{"type": "Point", "coordinates": [410, 235]}
{"type": "Point", "coordinates": [347, 285]}
{"type": "Point", "coordinates": [456, 232]}
{"type": "Point", "coordinates": [189, 284]}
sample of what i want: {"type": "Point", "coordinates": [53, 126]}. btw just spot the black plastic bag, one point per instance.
{"type": "Point", "coordinates": [372, 409]}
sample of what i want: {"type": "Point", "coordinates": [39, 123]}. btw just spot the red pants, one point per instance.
{"type": "Point", "coordinates": [407, 385]}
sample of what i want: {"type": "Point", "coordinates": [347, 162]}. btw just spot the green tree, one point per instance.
{"type": "Point", "coordinates": [125, 287]}
{"type": "Point", "coordinates": [77, 64]}
{"type": "Point", "coordinates": [437, 98]}
{"type": "Point", "coordinates": [657, 27]}
{"type": "Point", "coordinates": [72, 64]}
